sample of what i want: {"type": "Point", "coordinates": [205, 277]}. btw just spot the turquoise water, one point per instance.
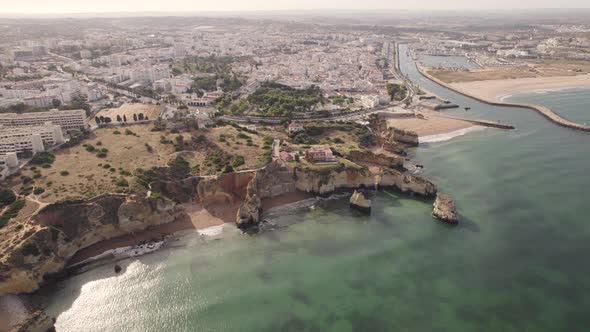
{"type": "Point", "coordinates": [571, 104]}
{"type": "Point", "coordinates": [518, 261]}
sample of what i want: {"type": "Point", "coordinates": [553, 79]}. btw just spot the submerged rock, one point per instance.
{"type": "Point", "coordinates": [359, 202]}
{"type": "Point", "coordinates": [444, 209]}
{"type": "Point", "coordinates": [117, 269]}
{"type": "Point", "coordinates": [38, 321]}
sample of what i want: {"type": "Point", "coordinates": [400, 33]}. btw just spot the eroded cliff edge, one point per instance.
{"type": "Point", "coordinates": [59, 230]}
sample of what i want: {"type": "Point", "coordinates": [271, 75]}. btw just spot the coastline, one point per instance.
{"type": "Point", "coordinates": [200, 219]}
{"type": "Point", "coordinates": [544, 111]}
{"type": "Point", "coordinates": [431, 124]}
{"type": "Point", "coordinates": [499, 90]}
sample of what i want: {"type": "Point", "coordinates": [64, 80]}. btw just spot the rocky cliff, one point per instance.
{"type": "Point", "coordinates": [404, 136]}
{"type": "Point", "coordinates": [367, 157]}
{"type": "Point", "coordinates": [281, 178]}
{"type": "Point", "coordinates": [61, 229]}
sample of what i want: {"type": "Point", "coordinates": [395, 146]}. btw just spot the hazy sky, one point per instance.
{"type": "Point", "coordinates": [71, 6]}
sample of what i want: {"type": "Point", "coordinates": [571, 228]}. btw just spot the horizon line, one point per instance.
{"type": "Point", "coordinates": [251, 11]}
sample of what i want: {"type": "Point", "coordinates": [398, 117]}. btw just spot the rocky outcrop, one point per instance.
{"type": "Point", "coordinates": [404, 136]}
{"type": "Point", "coordinates": [368, 157]}
{"type": "Point", "coordinates": [249, 211]}
{"type": "Point", "coordinates": [66, 227]}
{"type": "Point", "coordinates": [37, 321]}
{"type": "Point", "coordinates": [444, 209]}
{"type": "Point", "coordinates": [360, 202]}
{"type": "Point", "coordinates": [331, 180]}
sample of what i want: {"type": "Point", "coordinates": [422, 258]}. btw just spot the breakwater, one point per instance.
{"type": "Point", "coordinates": [545, 111]}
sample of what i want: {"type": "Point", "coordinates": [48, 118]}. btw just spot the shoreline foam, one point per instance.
{"type": "Point", "coordinates": [450, 135]}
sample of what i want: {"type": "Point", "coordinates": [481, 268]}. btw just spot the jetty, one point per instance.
{"type": "Point", "coordinates": [545, 111]}
{"type": "Point", "coordinates": [484, 123]}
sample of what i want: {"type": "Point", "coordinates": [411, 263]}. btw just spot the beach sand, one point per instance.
{"type": "Point", "coordinates": [495, 90]}
{"type": "Point", "coordinates": [198, 218]}
{"type": "Point", "coordinates": [432, 124]}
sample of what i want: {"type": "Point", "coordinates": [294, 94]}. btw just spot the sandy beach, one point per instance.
{"type": "Point", "coordinates": [496, 90]}
{"type": "Point", "coordinates": [198, 218]}
{"type": "Point", "coordinates": [432, 124]}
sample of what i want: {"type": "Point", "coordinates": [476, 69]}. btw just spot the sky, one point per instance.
{"type": "Point", "coordinates": [82, 6]}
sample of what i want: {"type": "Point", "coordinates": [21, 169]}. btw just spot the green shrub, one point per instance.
{"type": "Point", "coordinates": [30, 248]}
{"type": "Point", "coordinates": [64, 173]}
{"type": "Point", "coordinates": [90, 148]}
{"type": "Point", "coordinates": [43, 158]}
{"type": "Point", "coordinates": [116, 132]}
{"type": "Point", "coordinates": [238, 161]}
{"type": "Point", "coordinates": [122, 183]}
{"type": "Point", "coordinates": [46, 165]}
{"type": "Point", "coordinates": [12, 211]}
{"type": "Point", "coordinates": [101, 154]}
{"type": "Point", "coordinates": [38, 191]}
{"type": "Point", "coordinates": [7, 197]}
{"type": "Point", "coordinates": [106, 166]}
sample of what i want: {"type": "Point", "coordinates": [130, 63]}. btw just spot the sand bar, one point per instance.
{"type": "Point", "coordinates": [497, 89]}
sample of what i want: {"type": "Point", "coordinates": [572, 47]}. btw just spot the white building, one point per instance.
{"type": "Point", "coordinates": [31, 138]}
{"type": "Point", "coordinates": [67, 120]}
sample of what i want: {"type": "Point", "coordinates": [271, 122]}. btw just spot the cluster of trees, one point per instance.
{"type": "Point", "coordinates": [396, 91]}
{"type": "Point", "coordinates": [276, 99]}
{"type": "Point", "coordinates": [106, 119]}
{"type": "Point", "coordinates": [341, 100]}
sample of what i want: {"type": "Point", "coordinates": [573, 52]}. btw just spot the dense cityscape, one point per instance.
{"type": "Point", "coordinates": [118, 134]}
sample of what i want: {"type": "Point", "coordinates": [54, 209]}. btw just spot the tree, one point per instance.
{"type": "Point", "coordinates": [134, 117]}
{"type": "Point", "coordinates": [56, 103]}
{"type": "Point", "coordinates": [140, 116]}
{"type": "Point", "coordinates": [119, 118]}
{"type": "Point", "coordinates": [124, 118]}
{"type": "Point", "coordinates": [393, 89]}
{"type": "Point", "coordinates": [7, 197]}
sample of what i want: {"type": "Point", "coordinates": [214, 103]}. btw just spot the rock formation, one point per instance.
{"type": "Point", "coordinates": [368, 157]}
{"type": "Point", "coordinates": [37, 321]}
{"type": "Point", "coordinates": [66, 227]}
{"type": "Point", "coordinates": [444, 209]}
{"type": "Point", "coordinates": [359, 202]}
{"type": "Point", "coordinates": [404, 136]}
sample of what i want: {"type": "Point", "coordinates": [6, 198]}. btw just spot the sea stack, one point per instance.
{"type": "Point", "coordinates": [359, 202]}
{"type": "Point", "coordinates": [444, 209]}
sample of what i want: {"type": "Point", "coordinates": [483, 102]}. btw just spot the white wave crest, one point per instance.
{"type": "Point", "coordinates": [450, 135]}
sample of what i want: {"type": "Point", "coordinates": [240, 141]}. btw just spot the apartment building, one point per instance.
{"type": "Point", "coordinates": [67, 120]}
{"type": "Point", "coordinates": [29, 138]}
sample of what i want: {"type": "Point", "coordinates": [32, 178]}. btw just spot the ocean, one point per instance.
{"type": "Point", "coordinates": [518, 261]}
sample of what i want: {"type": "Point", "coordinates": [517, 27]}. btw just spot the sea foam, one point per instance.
{"type": "Point", "coordinates": [450, 135]}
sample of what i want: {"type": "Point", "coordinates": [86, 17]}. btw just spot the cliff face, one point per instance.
{"type": "Point", "coordinates": [367, 157]}
{"type": "Point", "coordinates": [221, 189]}
{"type": "Point", "coordinates": [403, 136]}
{"type": "Point", "coordinates": [282, 178]}
{"type": "Point", "coordinates": [64, 228]}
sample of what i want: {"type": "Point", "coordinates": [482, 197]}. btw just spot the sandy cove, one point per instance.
{"type": "Point", "coordinates": [498, 89]}
{"type": "Point", "coordinates": [199, 218]}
